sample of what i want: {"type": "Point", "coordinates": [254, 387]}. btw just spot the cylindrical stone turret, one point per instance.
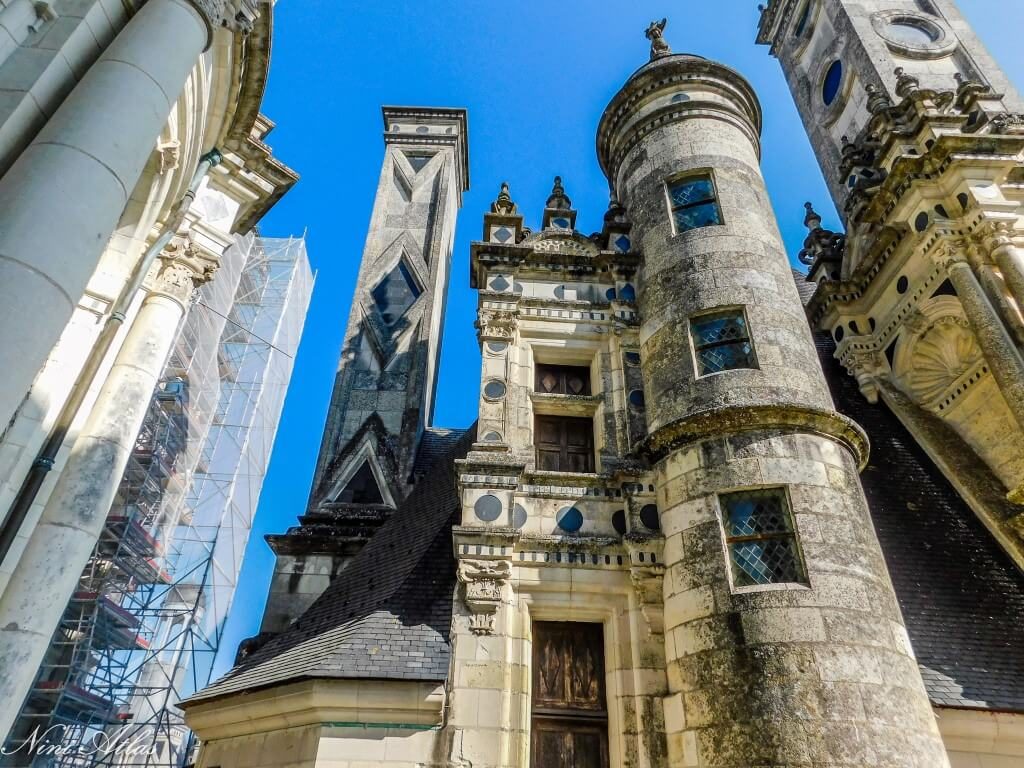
{"type": "Point", "coordinates": [784, 641]}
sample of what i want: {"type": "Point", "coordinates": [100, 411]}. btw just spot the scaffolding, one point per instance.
{"type": "Point", "coordinates": [143, 628]}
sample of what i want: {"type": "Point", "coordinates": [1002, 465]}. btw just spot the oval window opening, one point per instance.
{"type": "Point", "coordinates": [833, 80]}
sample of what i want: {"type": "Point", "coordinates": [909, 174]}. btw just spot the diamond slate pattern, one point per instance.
{"type": "Point", "coordinates": [389, 615]}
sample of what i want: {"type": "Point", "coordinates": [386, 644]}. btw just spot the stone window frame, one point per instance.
{"type": "Point", "coordinates": [944, 44]}
{"type": "Point", "coordinates": [794, 534]}
{"type": "Point", "coordinates": [682, 176]}
{"type": "Point", "coordinates": [803, 37]}
{"type": "Point", "coordinates": [547, 350]}
{"type": "Point", "coordinates": [607, 607]}
{"type": "Point", "coordinates": [830, 113]}
{"type": "Point", "coordinates": [737, 308]}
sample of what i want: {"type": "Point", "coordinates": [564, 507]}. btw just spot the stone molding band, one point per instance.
{"type": "Point", "coordinates": [733, 420]}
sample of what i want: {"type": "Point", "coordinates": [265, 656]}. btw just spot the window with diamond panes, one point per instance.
{"type": "Point", "coordinates": [396, 293]}
{"type": "Point", "coordinates": [761, 540]}
{"type": "Point", "coordinates": [721, 342]}
{"type": "Point", "coordinates": [694, 203]}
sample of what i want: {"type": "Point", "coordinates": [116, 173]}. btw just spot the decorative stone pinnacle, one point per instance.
{"type": "Point", "coordinates": [558, 199]}
{"type": "Point", "coordinates": [656, 34]}
{"type": "Point", "coordinates": [905, 84]}
{"type": "Point", "coordinates": [504, 205]}
{"type": "Point", "coordinates": [877, 99]}
{"type": "Point", "coordinates": [812, 220]}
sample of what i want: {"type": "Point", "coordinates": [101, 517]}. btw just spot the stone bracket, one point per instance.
{"type": "Point", "coordinates": [483, 581]}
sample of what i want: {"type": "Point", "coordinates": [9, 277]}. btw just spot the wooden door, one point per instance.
{"type": "Point", "coordinates": [570, 718]}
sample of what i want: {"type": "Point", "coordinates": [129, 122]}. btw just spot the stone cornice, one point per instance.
{"type": "Point", "coordinates": [730, 420]}
{"type": "Point", "coordinates": [618, 131]}
{"type": "Point", "coordinates": [316, 702]}
{"type": "Point", "coordinates": [243, 139]}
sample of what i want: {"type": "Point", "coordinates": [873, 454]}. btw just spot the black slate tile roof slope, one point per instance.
{"type": "Point", "coordinates": [388, 615]}
{"type": "Point", "coordinates": [961, 595]}
{"type": "Point", "coordinates": [435, 443]}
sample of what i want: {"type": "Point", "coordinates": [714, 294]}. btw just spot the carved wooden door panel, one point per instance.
{"type": "Point", "coordinates": [570, 718]}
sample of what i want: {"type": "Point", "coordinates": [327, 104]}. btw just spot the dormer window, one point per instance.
{"type": "Point", "coordinates": [694, 203]}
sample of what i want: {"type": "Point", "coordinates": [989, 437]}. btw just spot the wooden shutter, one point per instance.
{"type": "Point", "coordinates": [564, 443]}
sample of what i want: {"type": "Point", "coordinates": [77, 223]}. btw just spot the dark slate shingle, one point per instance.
{"type": "Point", "coordinates": [388, 616]}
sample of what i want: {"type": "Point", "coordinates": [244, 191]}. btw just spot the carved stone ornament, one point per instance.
{"type": "Point", "coordinates": [866, 368]}
{"type": "Point", "coordinates": [170, 155]}
{"type": "Point", "coordinates": [496, 325]}
{"type": "Point", "coordinates": [179, 269]}
{"type": "Point", "coordinates": [483, 580]}
{"type": "Point", "coordinates": [236, 15]}
{"type": "Point", "coordinates": [656, 34]}
{"type": "Point", "coordinates": [1008, 123]}
{"type": "Point", "coordinates": [941, 356]}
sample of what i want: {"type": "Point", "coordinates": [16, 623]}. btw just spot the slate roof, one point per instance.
{"type": "Point", "coordinates": [962, 597]}
{"type": "Point", "coordinates": [390, 616]}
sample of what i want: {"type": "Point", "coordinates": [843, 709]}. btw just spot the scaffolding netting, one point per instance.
{"type": "Point", "coordinates": [143, 628]}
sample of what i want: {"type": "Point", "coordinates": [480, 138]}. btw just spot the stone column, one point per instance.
{"type": "Point", "coordinates": [62, 198]}
{"type": "Point", "coordinates": [1000, 352]}
{"type": "Point", "coordinates": [60, 545]}
{"type": "Point", "coordinates": [794, 657]}
{"type": "Point", "coordinates": [999, 243]}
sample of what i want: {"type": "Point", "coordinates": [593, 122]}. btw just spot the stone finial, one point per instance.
{"type": "Point", "coordinates": [504, 205]}
{"type": "Point", "coordinates": [656, 34]}
{"type": "Point", "coordinates": [906, 84]}
{"type": "Point", "coordinates": [877, 99]}
{"type": "Point", "coordinates": [616, 213]}
{"type": "Point", "coordinates": [812, 220]}
{"type": "Point", "coordinates": [558, 200]}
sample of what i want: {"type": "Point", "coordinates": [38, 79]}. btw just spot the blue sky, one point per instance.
{"type": "Point", "coordinates": [535, 77]}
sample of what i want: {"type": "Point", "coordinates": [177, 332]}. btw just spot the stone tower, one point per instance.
{"type": "Point", "coordinates": [921, 139]}
{"type": "Point", "coordinates": [783, 640]}
{"type": "Point", "coordinates": [383, 393]}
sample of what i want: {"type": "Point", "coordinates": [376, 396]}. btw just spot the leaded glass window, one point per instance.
{"type": "Point", "coordinates": [761, 540]}
{"type": "Point", "coordinates": [694, 203]}
{"type": "Point", "coordinates": [721, 342]}
{"type": "Point", "coordinates": [396, 293]}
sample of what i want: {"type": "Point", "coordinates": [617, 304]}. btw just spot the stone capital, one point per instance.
{"type": "Point", "coordinates": [483, 580]}
{"type": "Point", "coordinates": [996, 235]}
{"type": "Point", "coordinates": [235, 15]}
{"type": "Point", "coordinates": [949, 254]}
{"type": "Point", "coordinates": [180, 268]}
